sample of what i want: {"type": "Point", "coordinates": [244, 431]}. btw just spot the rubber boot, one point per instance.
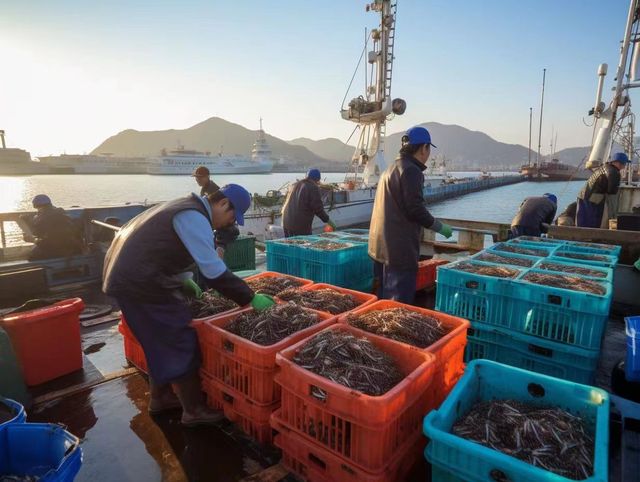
{"type": "Point", "coordinates": [194, 410]}
{"type": "Point", "coordinates": [162, 398]}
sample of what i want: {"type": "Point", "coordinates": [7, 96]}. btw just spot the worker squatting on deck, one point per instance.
{"type": "Point", "coordinates": [303, 203]}
{"type": "Point", "coordinates": [592, 200]}
{"type": "Point", "coordinates": [399, 214]}
{"type": "Point", "coordinates": [534, 216]}
{"type": "Point", "coordinates": [142, 272]}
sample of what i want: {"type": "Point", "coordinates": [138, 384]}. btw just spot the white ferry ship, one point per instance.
{"type": "Point", "coordinates": [94, 164]}
{"type": "Point", "coordinates": [183, 161]}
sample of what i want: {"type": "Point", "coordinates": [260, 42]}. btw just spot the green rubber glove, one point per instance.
{"type": "Point", "coordinates": [332, 224]}
{"type": "Point", "coordinates": [262, 302]}
{"type": "Point", "coordinates": [191, 288]}
{"type": "Point", "coordinates": [446, 231]}
{"type": "Point", "coordinates": [636, 265]}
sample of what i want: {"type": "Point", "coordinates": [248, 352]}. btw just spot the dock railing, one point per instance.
{"type": "Point", "coordinates": [471, 235]}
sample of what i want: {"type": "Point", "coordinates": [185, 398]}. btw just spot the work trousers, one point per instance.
{"type": "Point", "coordinates": [394, 283]}
{"type": "Point", "coordinates": [588, 214]}
{"type": "Point", "coordinates": [517, 231]}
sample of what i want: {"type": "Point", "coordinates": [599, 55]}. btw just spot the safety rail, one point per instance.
{"type": "Point", "coordinates": [470, 234]}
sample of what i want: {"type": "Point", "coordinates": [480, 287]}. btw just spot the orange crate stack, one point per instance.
{"type": "Point", "coordinates": [313, 463]}
{"type": "Point", "coordinates": [426, 277]}
{"type": "Point", "coordinates": [363, 299]}
{"type": "Point", "coordinates": [448, 351]}
{"type": "Point", "coordinates": [362, 430]}
{"type": "Point", "coordinates": [243, 365]}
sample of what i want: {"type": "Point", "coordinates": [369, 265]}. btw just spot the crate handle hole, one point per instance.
{"type": "Point", "coordinates": [554, 299]}
{"type": "Point", "coordinates": [317, 461]}
{"type": "Point", "coordinates": [472, 285]}
{"type": "Point", "coordinates": [499, 476]}
{"type": "Point", "coordinates": [539, 350]}
{"type": "Point", "coordinates": [228, 346]}
{"type": "Point", "coordinates": [227, 398]}
{"type": "Point", "coordinates": [348, 469]}
{"type": "Point", "coordinates": [536, 390]}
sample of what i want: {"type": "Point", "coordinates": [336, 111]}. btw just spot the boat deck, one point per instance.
{"type": "Point", "coordinates": [106, 406]}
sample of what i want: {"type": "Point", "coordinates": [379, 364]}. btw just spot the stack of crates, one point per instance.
{"type": "Point", "coordinates": [457, 459]}
{"type": "Point", "coordinates": [349, 267]}
{"type": "Point", "coordinates": [550, 330]}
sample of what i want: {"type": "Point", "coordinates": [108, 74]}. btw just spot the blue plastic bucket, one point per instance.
{"type": "Point", "coordinates": [632, 363]}
{"type": "Point", "coordinates": [42, 450]}
{"type": "Point", "coordinates": [18, 410]}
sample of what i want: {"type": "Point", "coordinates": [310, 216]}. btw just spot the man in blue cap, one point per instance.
{"type": "Point", "coordinates": [51, 230]}
{"type": "Point", "coordinates": [302, 204]}
{"type": "Point", "coordinates": [398, 217]}
{"type": "Point", "coordinates": [142, 271]}
{"type": "Point", "coordinates": [604, 182]}
{"type": "Point", "coordinates": [535, 215]}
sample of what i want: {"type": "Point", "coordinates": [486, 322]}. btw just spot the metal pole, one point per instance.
{"type": "Point", "coordinates": [630, 152]}
{"type": "Point", "coordinates": [530, 119]}
{"type": "Point", "coordinates": [544, 75]}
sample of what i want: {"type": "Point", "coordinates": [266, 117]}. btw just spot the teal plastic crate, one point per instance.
{"type": "Point", "coordinates": [284, 263]}
{"type": "Point", "coordinates": [557, 314]}
{"type": "Point", "coordinates": [362, 232]}
{"type": "Point", "coordinates": [579, 246]}
{"type": "Point", "coordinates": [532, 244]}
{"type": "Point", "coordinates": [440, 474]}
{"type": "Point", "coordinates": [536, 239]}
{"type": "Point", "coordinates": [352, 252]}
{"type": "Point", "coordinates": [486, 380]}
{"type": "Point", "coordinates": [282, 247]}
{"type": "Point", "coordinates": [449, 274]}
{"type": "Point", "coordinates": [561, 265]}
{"type": "Point", "coordinates": [343, 274]}
{"type": "Point", "coordinates": [240, 255]}
{"type": "Point", "coordinates": [531, 353]}
{"type": "Point", "coordinates": [535, 250]}
{"type": "Point", "coordinates": [604, 259]}
{"type": "Point", "coordinates": [507, 258]}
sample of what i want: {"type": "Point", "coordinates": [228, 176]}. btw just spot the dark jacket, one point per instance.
{"type": "Point", "coordinates": [56, 234]}
{"type": "Point", "coordinates": [209, 188]}
{"type": "Point", "coordinates": [302, 204]}
{"type": "Point", "coordinates": [534, 211]}
{"type": "Point", "coordinates": [399, 214]}
{"type": "Point", "coordinates": [147, 254]}
{"type": "Point", "coordinates": [604, 181]}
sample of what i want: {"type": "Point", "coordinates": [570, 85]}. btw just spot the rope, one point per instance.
{"type": "Point", "coordinates": [354, 73]}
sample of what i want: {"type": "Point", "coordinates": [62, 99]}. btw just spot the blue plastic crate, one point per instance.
{"type": "Point", "coordinates": [342, 274]}
{"type": "Point", "coordinates": [282, 247]}
{"type": "Point", "coordinates": [562, 265]}
{"type": "Point", "coordinates": [557, 314]}
{"type": "Point", "coordinates": [531, 353]}
{"type": "Point", "coordinates": [532, 244]}
{"type": "Point", "coordinates": [352, 252]}
{"type": "Point", "coordinates": [536, 239]}
{"type": "Point", "coordinates": [539, 251]}
{"type": "Point", "coordinates": [281, 263]}
{"type": "Point", "coordinates": [471, 304]}
{"type": "Point", "coordinates": [486, 380]}
{"type": "Point", "coordinates": [507, 258]}
{"type": "Point", "coordinates": [579, 246]}
{"type": "Point", "coordinates": [450, 275]}
{"type": "Point", "coordinates": [20, 415]}
{"type": "Point", "coordinates": [440, 474]}
{"type": "Point", "coordinates": [363, 232]}
{"type": "Point", "coordinates": [39, 450]}
{"type": "Point", "coordinates": [605, 259]}
{"type": "Point", "coordinates": [632, 360]}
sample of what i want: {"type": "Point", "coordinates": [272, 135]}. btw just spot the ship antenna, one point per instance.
{"type": "Point", "coordinates": [544, 75]}
{"type": "Point", "coordinates": [530, 119]}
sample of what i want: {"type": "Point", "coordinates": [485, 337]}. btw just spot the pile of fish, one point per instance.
{"type": "Point", "coordinates": [401, 325]}
{"type": "Point", "coordinates": [19, 478]}
{"type": "Point", "coordinates": [594, 245]}
{"type": "Point", "coordinates": [6, 413]}
{"type": "Point", "coordinates": [273, 324]}
{"type": "Point", "coordinates": [581, 270]}
{"type": "Point", "coordinates": [487, 270]}
{"type": "Point", "coordinates": [510, 248]}
{"type": "Point", "coordinates": [589, 257]}
{"type": "Point", "coordinates": [273, 285]}
{"type": "Point", "coordinates": [549, 438]}
{"type": "Point", "coordinates": [535, 239]}
{"type": "Point", "coordinates": [329, 235]}
{"type": "Point", "coordinates": [567, 282]}
{"type": "Point", "coordinates": [328, 246]}
{"type": "Point", "coordinates": [499, 259]}
{"type": "Point", "coordinates": [350, 361]}
{"type": "Point", "coordinates": [324, 299]}
{"type": "Point", "coordinates": [296, 241]}
{"type": "Point", "coordinates": [210, 304]}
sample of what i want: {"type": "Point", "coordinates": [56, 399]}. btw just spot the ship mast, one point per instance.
{"type": "Point", "coordinates": [530, 119]}
{"type": "Point", "coordinates": [544, 74]}
{"type": "Point", "coordinates": [370, 111]}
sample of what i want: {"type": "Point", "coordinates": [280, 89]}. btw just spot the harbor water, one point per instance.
{"type": "Point", "coordinates": [494, 205]}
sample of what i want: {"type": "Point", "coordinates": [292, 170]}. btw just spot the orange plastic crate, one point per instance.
{"type": "Point", "coordinates": [275, 274]}
{"type": "Point", "coordinates": [313, 463]}
{"type": "Point", "coordinates": [364, 430]}
{"type": "Point", "coordinates": [449, 350]}
{"type": "Point", "coordinates": [47, 340]}
{"type": "Point", "coordinates": [243, 365]}
{"type": "Point", "coordinates": [363, 299]}
{"type": "Point", "coordinates": [227, 397]}
{"type": "Point", "coordinates": [427, 273]}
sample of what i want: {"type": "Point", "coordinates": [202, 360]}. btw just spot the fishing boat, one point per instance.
{"type": "Point", "coordinates": [15, 161]}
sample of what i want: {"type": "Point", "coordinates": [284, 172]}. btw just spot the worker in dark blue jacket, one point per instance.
{"type": "Point", "coordinates": [143, 272]}
{"type": "Point", "coordinates": [604, 182]}
{"type": "Point", "coordinates": [303, 203]}
{"type": "Point", "coordinates": [534, 216]}
{"type": "Point", "coordinates": [399, 215]}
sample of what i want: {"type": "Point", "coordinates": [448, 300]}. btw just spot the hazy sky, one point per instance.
{"type": "Point", "coordinates": [75, 72]}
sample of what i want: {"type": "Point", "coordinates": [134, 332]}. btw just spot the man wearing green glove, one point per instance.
{"type": "Point", "coordinates": [399, 214]}
{"type": "Point", "coordinates": [142, 272]}
{"type": "Point", "coordinates": [303, 203]}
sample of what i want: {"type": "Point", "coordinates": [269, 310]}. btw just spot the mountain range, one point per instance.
{"type": "Point", "coordinates": [463, 148]}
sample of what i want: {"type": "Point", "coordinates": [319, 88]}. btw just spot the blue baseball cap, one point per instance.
{"type": "Point", "coordinates": [551, 197]}
{"type": "Point", "coordinates": [620, 157]}
{"type": "Point", "coordinates": [419, 135]}
{"type": "Point", "coordinates": [41, 200]}
{"type": "Point", "coordinates": [314, 174]}
{"type": "Point", "coordinates": [240, 198]}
